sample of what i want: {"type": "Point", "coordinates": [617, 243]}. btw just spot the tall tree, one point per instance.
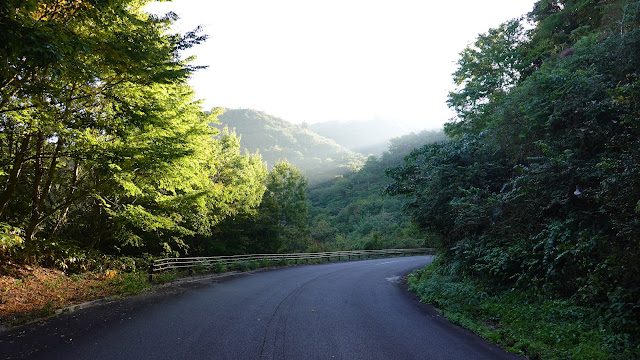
{"type": "Point", "coordinates": [74, 81]}
{"type": "Point", "coordinates": [286, 202]}
{"type": "Point", "coordinates": [487, 70]}
{"type": "Point", "coordinates": [98, 126]}
{"type": "Point", "coordinates": [539, 188]}
{"type": "Point", "coordinates": [279, 224]}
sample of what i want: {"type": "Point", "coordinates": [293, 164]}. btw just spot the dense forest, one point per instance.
{"type": "Point", "coordinates": [103, 151]}
{"type": "Point", "coordinates": [536, 198]}
{"type": "Point", "coordinates": [531, 194]}
{"type": "Point", "coordinates": [346, 212]}
{"type": "Point", "coordinates": [352, 212]}
{"type": "Point", "coordinates": [319, 158]}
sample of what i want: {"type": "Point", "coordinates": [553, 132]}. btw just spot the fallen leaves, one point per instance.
{"type": "Point", "coordinates": [31, 292]}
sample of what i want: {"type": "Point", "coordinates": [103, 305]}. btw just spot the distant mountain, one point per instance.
{"type": "Point", "coordinates": [366, 137]}
{"type": "Point", "coordinates": [351, 213]}
{"type": "Point", "coordinates": [317, 157]}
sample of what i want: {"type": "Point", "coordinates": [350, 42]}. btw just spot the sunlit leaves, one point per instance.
{"type": "Point", "coordinates": [102, 142]}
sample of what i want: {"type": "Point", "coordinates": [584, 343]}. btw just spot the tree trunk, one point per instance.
{"type": "Point", "coordinates": [95, 223]}
{"type": "Point", "coordinates": [7, 195]}
{"type": "Point", "coordinates": [41, 191]}
{"type": "Point", "coordinates": [36, 209]}
{"type": "Point", "coordinates": [72, 189]}
{"type": "Point", "coordinates": [51, 173]}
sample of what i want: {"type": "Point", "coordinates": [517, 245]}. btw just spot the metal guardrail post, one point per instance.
{"type": "Point", "coordinates": [151, 272]}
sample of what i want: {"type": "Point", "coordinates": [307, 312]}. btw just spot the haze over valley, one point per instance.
{"type": "Point", "coordinates": [501, 135]}
{"type": "Point", "coordinates": [318, 157]}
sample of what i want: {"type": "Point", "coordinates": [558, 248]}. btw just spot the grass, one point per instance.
{"type": "Point", "coordinates": [523, 322]}
{"type": "Point", "coordinates": [130, 283]}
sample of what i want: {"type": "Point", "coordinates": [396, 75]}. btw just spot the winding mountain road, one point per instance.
{"type": "Point", "coordinates": [348, 310]}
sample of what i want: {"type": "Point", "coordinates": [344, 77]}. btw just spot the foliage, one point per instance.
{"type": "Point", "coordinates": [317, 157]}
{"type": "Point", "coordinates": [278, 224]}
{"type": "Point", "coordinates": [167, 276]}
{"type": "Point", "coordinates": [130, 283]}
{"type": "Point", "coordinates": [11, 241]}
{"type": "Point", "coordinates": [537, 193]}
{"type": "Point", "coordinates": [523, 322]}
{"type": "Point", "coordinates": [103, 149]}
{"type": "Point", "coordinates": [486, 72]}
{"type": "Point", "coordinates": [286, 202]}
{"type": "Point", "coordinates": [466, 174]}
{"type": "Point", "coordinates": [352, 213]}
{"type": "Point", "coordinates": [78, 78]}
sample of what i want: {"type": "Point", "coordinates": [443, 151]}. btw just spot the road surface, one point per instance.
{"type": "Point", "coordinates": [348, 310]}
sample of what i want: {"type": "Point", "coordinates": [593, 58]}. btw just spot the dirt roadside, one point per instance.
{"type": "Point", "coordinates": [26, 341]}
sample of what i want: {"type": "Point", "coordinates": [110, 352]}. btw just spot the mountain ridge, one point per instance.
{"type": "Point", "coordinates": [318, 157]}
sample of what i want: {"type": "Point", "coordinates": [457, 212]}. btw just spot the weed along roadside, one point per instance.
{"type": "Point", "coordinates": [33, 293]}
{"type": "Point", "coordinates": [524, 323]}
{"type": "Point", "coordinates": [29, 293]}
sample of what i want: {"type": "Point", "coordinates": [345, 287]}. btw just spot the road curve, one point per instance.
{"type": "Point", "coordinates": [348, 310]}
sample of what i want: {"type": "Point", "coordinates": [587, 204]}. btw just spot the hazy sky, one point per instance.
{"type": "Point", "coordinates": [328, 60]}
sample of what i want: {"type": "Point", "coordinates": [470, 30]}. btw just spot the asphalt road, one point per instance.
{"type": "Point", "coordinates": [349, 310]}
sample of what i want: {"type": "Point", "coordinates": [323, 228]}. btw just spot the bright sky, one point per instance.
{"type": "Point", "coordinates": [329, 60]}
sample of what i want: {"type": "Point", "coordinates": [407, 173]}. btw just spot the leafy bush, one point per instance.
{"type": "Point", "coordinates": [523, 321]}
{"type": "Point", "coordinates": [134, 282]}
{"type": "Point", "coordinates": [166, 276]}
{"type": "Point", "coordinates": [203, 267]}
{"type": "Point", "coordinates": [220, 267]}
{"type": "Point", "coordinates": [11, 241]}
{"type": "Point", "coordinates": [244, 265]}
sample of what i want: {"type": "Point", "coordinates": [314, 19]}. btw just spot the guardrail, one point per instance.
{"type": "Point", "coordinates": [190, 263]}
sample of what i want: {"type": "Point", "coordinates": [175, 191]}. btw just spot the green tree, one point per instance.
{"type": "Point", "coordinates": [279, 224]}
{"type": "Point", "coordinates": [486, 72]}
{"type": "Point", "coordinates": [538, 190]}
{"type": "Point", "coordinates": [446, 183]}
{"type": "Point", "coordinates": [232, 202]}
{"type": "Point", "coordinates": [102, 144]}
{"type": "Point", "coordinates": [285, 202]}
{"type": "Point", "coordinates": [76, 79]}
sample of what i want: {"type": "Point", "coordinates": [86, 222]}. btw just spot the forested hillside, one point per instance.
{"type": "Point", "coordinates": [318, 158]}
{"type": "Point", "coordinates": [535, 202]}
{"type": "Point", "coordinates": [104, 154]}
{"type": "Point", "coordinates": [353, 213]}
{"type": "Point", "coordinates": [532, 194]}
